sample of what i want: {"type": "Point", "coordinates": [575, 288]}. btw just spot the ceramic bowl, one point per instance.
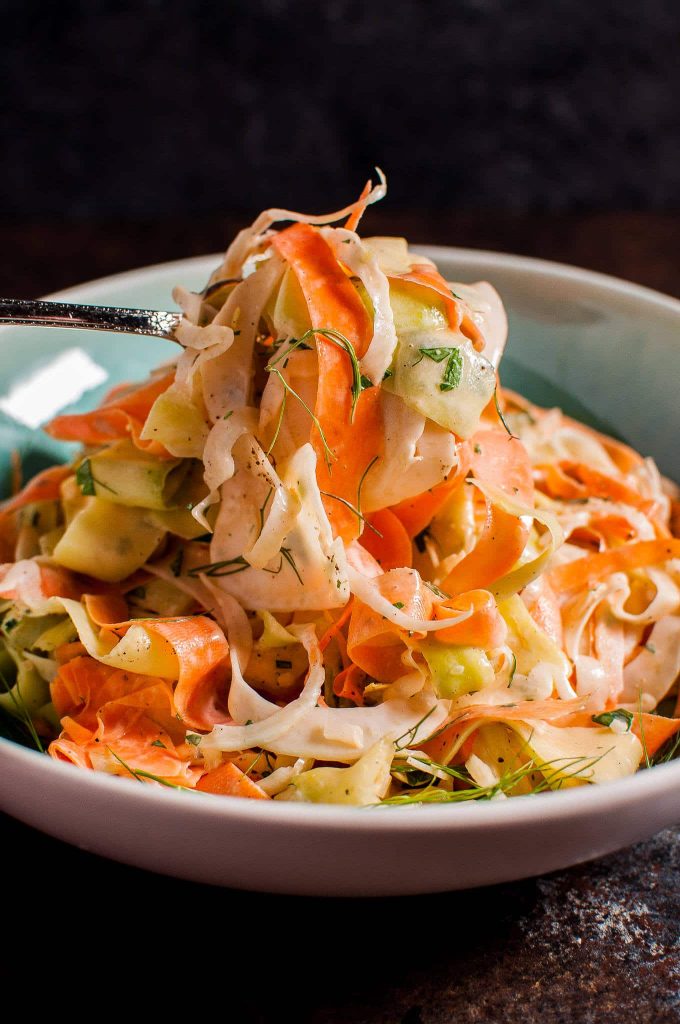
{"type": "Point", "coordinates": [605, 350]}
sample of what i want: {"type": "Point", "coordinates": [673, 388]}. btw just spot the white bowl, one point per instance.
{"type": "Point", "coordinates": [606, 350]}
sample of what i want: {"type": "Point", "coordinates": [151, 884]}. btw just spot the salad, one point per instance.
{"type": "Point", "coordinates": [323, 556]}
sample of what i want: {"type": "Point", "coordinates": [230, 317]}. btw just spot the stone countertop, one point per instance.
{"type": "Point", "coordinates": [595, 944]}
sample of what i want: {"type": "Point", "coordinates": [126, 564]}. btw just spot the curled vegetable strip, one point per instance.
{"type": "Point", "coordinates": [349, 250]}
{"type": "Point", "coordinates": [307, 566]}
{"type": "Point", "coordinates": [268, 720]}
{"type": "Point", "coordinates": [250, 238]}
{"type": "Point", "coordinates": [23, 581]}
{"type": "Point", "coordinates": [525, 573]}
{"type": "Point", "coordinates": [417, 455]}
{"type": "Point", "coordinates": [218, 457]}
{"type": "Point", "coordinates": [224, 608]}
{"type": "Point", "coordinates": [651, 674]}
{"type": "Point", "coordinates": [366, 590]}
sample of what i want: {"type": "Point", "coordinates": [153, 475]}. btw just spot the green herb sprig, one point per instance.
{"type": "Point", "coordinates": [453, 371]}
{"type": "Point", "coordinates": [86, 481]}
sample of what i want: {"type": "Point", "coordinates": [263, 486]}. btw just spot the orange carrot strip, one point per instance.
{"type": "Point", "coordinates": [588, 482]}
{"type": "Point", "coordinates": [337, 626]}
{"type": "Point", "coordinates": [228, 780]}
{"type": "Point", "coordinates": [352, 222]}
{"type": "Point", "coordinates": [582, 573]}
{"type": "Point", "coordinates": [485, 628]}
{"type": "Point", "coordinates": [392, 549]}
{"type": "Point", "coordinates": [417, 513]}
{"type": "Point", "coordinates": [655, 729]}
{"type": "Point", "coordinates": [349, 684]}
{"type": "Point", "coordinates": [203, 655]}
{"type": "Point", "coordinates": [332, 299]}
{"type": "Point", "coordinates": [120, 418]}
{"type": "Point", "coordinates": [106, 609]}
{"type": "Point", "coordinates": [67, 652]}
{"type": "Point", "coordinates": [426, 276]}
{"type": "Point", "coordinates": [43, 487]}
{"type": "Point", "coordinates": [334, 303]}
{"type": "Point", "coordinates": [503, 461]}
{"type": "Point", "coordinates": [84, 685]}
{"type": "Point", "coordinates": [134, 715]}
{"type": "Point", "coordinates": [374, 643]}
{"type": "Point", "coordinates": [58, 582]}
{"type": "Point", "coordinates": [500, 544]}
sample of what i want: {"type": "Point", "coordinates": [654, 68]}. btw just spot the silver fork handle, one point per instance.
{"type": "Point", "coordinates": [38, 313]}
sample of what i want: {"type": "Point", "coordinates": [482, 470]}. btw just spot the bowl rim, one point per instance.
{"type": "Point", "coordinates": [548, 807]}
{"type": "Point", "coordinates": [593, 800]}
{"type": "Point", "coordinates": [533, 265]}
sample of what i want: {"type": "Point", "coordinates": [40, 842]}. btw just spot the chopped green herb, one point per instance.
{"type": "Point", "coordinates": [398, 605]}
{"type": "Point", "coordinates": [227, 568]}
{"type": "Point", "coordinates": [86, 481]}
{"type": "Point", "coordinates": [279, 424]}
{"type": "Point", "coordinates": [650, 647]}
{"type": "Point", "coordinates": [387, 374]}
{"type": "Point", "coordinates": [263, 507]}
{"type": "Point", "coordinates": [22, 711]}
{"type": "Point", "coordinates": [328, 453]}
{"type": "Point", "coordinates": [351, 507]}
{"type": "Point", "coordinates": [365, 473]}
{"type": "Point", "coordinates": [138, 774]}
{"type": "Point", "coordinates": [336, 338]}
{"type": "Point", "coordinates": [453, 371]}
{"type": "Point", "coordinates": [477, 449]}
{"type": "Point", "coordinates": [287, 554]}
{"type": "Point", "coordinates": [84, 478]}
{"type": "Point", "coordinates": [554, 773]}
{"type": "Point", "coordinates": [411, 733]}
{"type": "Point", "coordinates": [159, 743]}
{"type": "Point", "coordinates": [193, 738]}
{"type": "Point", "coordinates": [435, 590]}
{"type": "Point", "coordinates": [618, 715]}
{"type": "Point", "coordinates": [437, 355]}
{"type": "Point", "coordinates": [500, 415]}
{"type": "Point", "coordinates": [366, 382]}
{"type": "Point", "coordinates": [668, 751]}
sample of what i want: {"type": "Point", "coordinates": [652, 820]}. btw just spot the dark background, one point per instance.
{"type": "Point", "coordinates": [167, 108]}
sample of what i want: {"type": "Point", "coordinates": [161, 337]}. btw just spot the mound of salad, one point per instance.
{"type": "Point", "coordinates": [322, 556]}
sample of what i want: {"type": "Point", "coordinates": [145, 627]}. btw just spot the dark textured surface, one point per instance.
{"type": "Point", "coordinates": [142, 107]}
{"type": "Point", "coordinates": [598, 944]}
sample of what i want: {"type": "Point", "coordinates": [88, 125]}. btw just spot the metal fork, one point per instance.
{"type": "Point", "coordinates": [156, 323]}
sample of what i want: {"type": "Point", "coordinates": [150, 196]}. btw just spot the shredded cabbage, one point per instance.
{"type": "Point", "coordinates": [306, 562]}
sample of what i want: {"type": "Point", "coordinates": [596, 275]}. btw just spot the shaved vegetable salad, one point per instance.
{"type": "Point", "coordinates": [322, 556]}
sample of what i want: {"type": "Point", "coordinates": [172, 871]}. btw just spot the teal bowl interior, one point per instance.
{"type": "Point", "coordinates": [606, 351]}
